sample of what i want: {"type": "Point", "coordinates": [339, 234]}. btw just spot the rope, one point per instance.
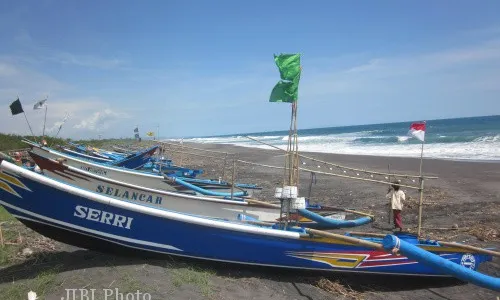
{"type": "Point", "coordinates": [257, 164]}
{"type": "Point", "coordinates": [194, 154]}
{"type": "Point", "coordinates": [362, 179]}
{"type": "Point", "coordinates": [189, 147]}
{"type": "Point", "coordinates": [332, 174]}
{"type": "Point", "coordinates": [313, 181]}
{"type": "Point", "coordinates": [343, 167]}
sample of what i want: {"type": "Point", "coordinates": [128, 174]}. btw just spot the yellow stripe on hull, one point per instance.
{"type": "Point", "coordinates": [13, 180]}
{"type": "Point", "coordinates": [4, 186]}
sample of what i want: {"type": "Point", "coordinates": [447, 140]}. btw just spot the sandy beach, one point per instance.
{"type": "Point", "coordinates": [466, 194]}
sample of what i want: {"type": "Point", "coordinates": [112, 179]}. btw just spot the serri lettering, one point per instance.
{"type": "Point", "coordinates": [104, 217]}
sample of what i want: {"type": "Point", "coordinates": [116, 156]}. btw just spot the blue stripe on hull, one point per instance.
{"type": "Point", "coordinates": [152, 233]}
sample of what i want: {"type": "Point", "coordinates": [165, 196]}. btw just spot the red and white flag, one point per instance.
{"type": "Point", "coordinates": [418, 130]}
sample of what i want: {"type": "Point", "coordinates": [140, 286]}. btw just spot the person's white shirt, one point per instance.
{"type": "Point", "coordinates": [397, 198]}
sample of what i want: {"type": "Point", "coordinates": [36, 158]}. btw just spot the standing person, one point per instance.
{"type": "Point", "coordinates": [397, 197]}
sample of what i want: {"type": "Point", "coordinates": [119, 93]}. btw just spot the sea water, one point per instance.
{"type": "Point", "coordinates": [475, 138]}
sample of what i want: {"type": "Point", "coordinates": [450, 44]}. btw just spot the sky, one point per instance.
{"type": "Point", "coordinates": [200, 68]}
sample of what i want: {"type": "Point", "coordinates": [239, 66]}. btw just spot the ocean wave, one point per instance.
{"type": "Point", "coordinates": [381, 140]}
{"type": "Point", "coordinates": [476, 139]}
{"type": "Point", "coordinates": [488, 139]}
{"type": "Point", "coordinates": [469, 151]}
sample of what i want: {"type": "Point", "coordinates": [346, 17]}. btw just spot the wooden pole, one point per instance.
{"type": "Point", "coordinates": [255, 201]}
{"type": "Point", "coordinates": [390, 200]}
{"type": "Point", "coordinates": [288, 156]}
{"type": "Point", "coordinates": [421, 190]}
{"type": "Point", "coordinates": [160, 155]}
{"type": "Point", "coordinates": [421, 158]}
{"type": "Point", "coordinates": [472, 248]}
{"type": "Point", "coordinates": [30, 127]}
{"type": "Point", "coordinates": [348, 239]}
{"type": "Point", "coordinates": [296, 149]}
{"type": "Point", "coordinates": [224, 167]}
{"type": "Point", "coordinates": [44, 121]}
{"type": "Point", "coordinates": [182, 155]}
{"type": "Point", "coordinates": [447, 244]}
{"type": "Point", "coordinates": [327, 209]}
{"type": "Point", "coordinates": [232, 178]}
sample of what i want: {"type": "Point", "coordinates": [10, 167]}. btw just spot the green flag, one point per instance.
{"type": "Point", "coordinates": [289, 65]}
{"type": "Point", "coordinates": [287, 89]}
{"type": "Point", "coordinates": [284, 91]}
{"type": "Point", "coordinates": [16, 107]}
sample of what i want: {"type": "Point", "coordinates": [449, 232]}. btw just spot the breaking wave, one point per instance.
{"type": "Point", "coordinates": [461, 139]}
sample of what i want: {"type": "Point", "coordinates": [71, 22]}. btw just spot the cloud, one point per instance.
{"type": "Point", "coordinates": [89, 61]}
{"type": "Point", "coordinates": [85, 117]}
{"type": "Point", "coordinates": [35, 53]}
{"type": "Point", "coordinates": [20, 78]}
{"type": "Point", "coordinates": [100, 120]}
{"type": "Point", "coordinates": [26, 81]}
{"type": "Point", "coordinates": [463, 65]}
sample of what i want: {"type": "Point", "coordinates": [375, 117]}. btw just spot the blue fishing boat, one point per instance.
{"type": "Point", "coordinates": [94, 152]}
{"type": "Point", "coordinates": [154, 165]}
{"type": "Point", "coordinates": [132, 161]}
{"type": "Point", "coordinates": [167, 167]}
{"type": "Point", "coordinates": [140, 178]}
{"type": "Point", "coordinates": [85, 155]}
{"type": "Point", "coordinates": [95, 221]}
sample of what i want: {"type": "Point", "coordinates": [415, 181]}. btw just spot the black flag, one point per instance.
{"type": "Point", "coordinates": [16, 107]}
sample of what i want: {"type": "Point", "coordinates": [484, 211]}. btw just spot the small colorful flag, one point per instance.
{"type": "Point", "coordinates": [418, 130]}
{"type": "Point", "coordinates": [150, 133]}
{"type": "Point", "coordinates": [39, 104]}
{"type": "Point", "coordinates": [16, 107]}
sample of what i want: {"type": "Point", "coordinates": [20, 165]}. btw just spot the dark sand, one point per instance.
{"type": "Point", "coordinates": [466, 194]}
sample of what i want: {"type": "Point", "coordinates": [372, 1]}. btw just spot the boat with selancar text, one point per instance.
{"type": "Point", "coordinates": [215, 207]}
{"type": "Point", "coordinates": [142, 178]}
